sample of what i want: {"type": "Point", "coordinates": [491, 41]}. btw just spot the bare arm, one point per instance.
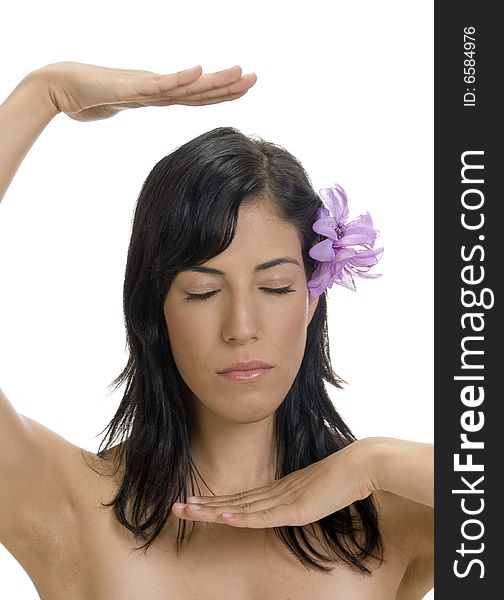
{"type": "Point", "coordinates": [23, 116]}
{"type": "Point", "coordinates": [373, 464]}
{"type": "Point", "coordinates": [401, 467]}
{"type": "Point", "coordinates": [401, 473]}
{"type": "Point", "coordinates": [35, 463]}
{"type": "Point", "coordinates": [91, 92]}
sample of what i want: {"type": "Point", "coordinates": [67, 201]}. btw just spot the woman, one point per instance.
{"type": "Point", "coordinates": [232, 470]}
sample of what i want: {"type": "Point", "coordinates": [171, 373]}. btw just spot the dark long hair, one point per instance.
{"type": "Point", "coordinates": [186, 213]}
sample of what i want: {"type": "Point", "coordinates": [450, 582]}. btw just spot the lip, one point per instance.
{"type": "Point", "coordinates": [245, 376]}
{"type": "Point", "coordinates": [252, 365]}
{"type": "Point", "coordinates": [246, 371]}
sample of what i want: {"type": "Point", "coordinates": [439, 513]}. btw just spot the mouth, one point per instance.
{"type": "Point", "coordinates": [251, 370]}
{"type": "Point", "coordinates": [246, 375]}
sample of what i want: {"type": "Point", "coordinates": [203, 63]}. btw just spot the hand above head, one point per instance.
{"type": "Point", "coordinates": [90, 92]}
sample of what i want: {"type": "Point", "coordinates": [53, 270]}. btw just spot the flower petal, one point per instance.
{"type": "Point", "coordinates": [323, 251]}
{"type": "Point", "coordinates": [320, 279]}
{"type": "Point", "coordinates": [344, 253]}
{"type": "Point", "coordinates": [339, 261]}
{"type": "Point", "coordinates": [365, 274]}
{"type": "Point", "coordinates": [366, 258]}
{"type": "Point", "coordinates": [336, 200]}
{"type": "Point", "coordinates": [326, 226]}
{"type": "Point", "coordinates": [359, 231]}
{"type": "Point", "coordinates": [345, 279]}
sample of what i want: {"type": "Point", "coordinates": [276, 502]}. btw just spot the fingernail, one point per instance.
{"type": "Point", "coordinates": [225, 514]}
{"type": "Point", "coordinates": [196, 506]}
{"type": "Point", "coordinates": [179, 505]}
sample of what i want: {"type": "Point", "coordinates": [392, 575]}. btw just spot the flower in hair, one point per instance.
{"type": "Point", "coordinates": [347, 250]}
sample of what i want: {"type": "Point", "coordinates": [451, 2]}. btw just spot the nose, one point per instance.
{"type": "Point", "coordinates": [240, 321]}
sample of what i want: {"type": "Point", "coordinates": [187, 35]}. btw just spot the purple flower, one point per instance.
{"type": "Point", "coordinates": [339, 257]}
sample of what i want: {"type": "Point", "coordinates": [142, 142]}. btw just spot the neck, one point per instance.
{"type": "Point", "coordinates": [232, 457]}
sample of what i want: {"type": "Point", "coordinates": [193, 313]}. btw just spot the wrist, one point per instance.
{"type": "Point", "coordinates": [373, 456]}
{"type": "Point", "coordinates": [41, 82]}
{"type": "Point", "coordinates": [400, 467]}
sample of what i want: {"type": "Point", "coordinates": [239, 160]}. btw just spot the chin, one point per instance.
{"type": "Point", "coordinates": [247, 413]}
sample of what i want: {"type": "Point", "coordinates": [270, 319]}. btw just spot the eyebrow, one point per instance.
{"type": "Point", "coordinates": [263, 266]}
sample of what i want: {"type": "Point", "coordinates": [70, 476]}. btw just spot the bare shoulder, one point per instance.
{"type": "Point", "coordinates": [48, 494]}
{"type": "Point", "coordinates": [409, 527]}
{"type": "Point", "coordinates": [75, 474]}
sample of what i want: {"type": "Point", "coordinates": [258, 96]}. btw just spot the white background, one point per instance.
{"type": "Point", "coordinates": [347, 87]}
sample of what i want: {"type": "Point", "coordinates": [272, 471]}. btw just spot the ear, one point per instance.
{"type": "Point", "coordinates": [311, 308]}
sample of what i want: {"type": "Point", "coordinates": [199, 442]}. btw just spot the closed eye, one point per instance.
{"type": "Point", "coordinates": [284, 290]}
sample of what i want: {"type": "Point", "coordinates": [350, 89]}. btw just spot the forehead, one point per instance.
{"type": "Point", "coordinates": [262, 240]}
{"type": "Point", "coordinates": [259, 228]}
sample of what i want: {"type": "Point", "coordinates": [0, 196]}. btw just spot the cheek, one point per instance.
{"type": "Point", "coordinates": [288, 333]}
{"type": "Point", "coordinates": [188, 337]}
{"type": "Point", "coordinates": [290, 329]}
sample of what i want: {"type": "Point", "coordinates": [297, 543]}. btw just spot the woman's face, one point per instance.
{"type": "Point", "coordinates": [242, 318]}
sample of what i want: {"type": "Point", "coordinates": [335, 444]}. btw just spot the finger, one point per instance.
{"type": "Point", "coordinates": [187, 75]}
{"type": "Point", "coordinates": [238, 496]}
{"type": "Point", "coordinates": [254, 515]}
{"type": "Point", "coordinates": [176, 79]}
{"type": "Point", "coordinates": [159, 82]}
{"type": "Point", "coordinates": [209, 81]}
{"type": "Point", "coordinates": [197, 512]}
{"type": "Point", "coordinates": [208, 96]}
{"type": "Point", "coordinates": [193, 101]}
{"type": "Point", "coordinates": [247, 504]}
{"type": "Point", "coordinates": [186, 83]}
{"type": "Point", "coordinates": [209, 87]}
{"type": "Point", "coordinates": [275, 516]}
{"type": "Point", "coordinates": [118, 106]}
{"type": "Point", "coordinates": [232, 91]}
